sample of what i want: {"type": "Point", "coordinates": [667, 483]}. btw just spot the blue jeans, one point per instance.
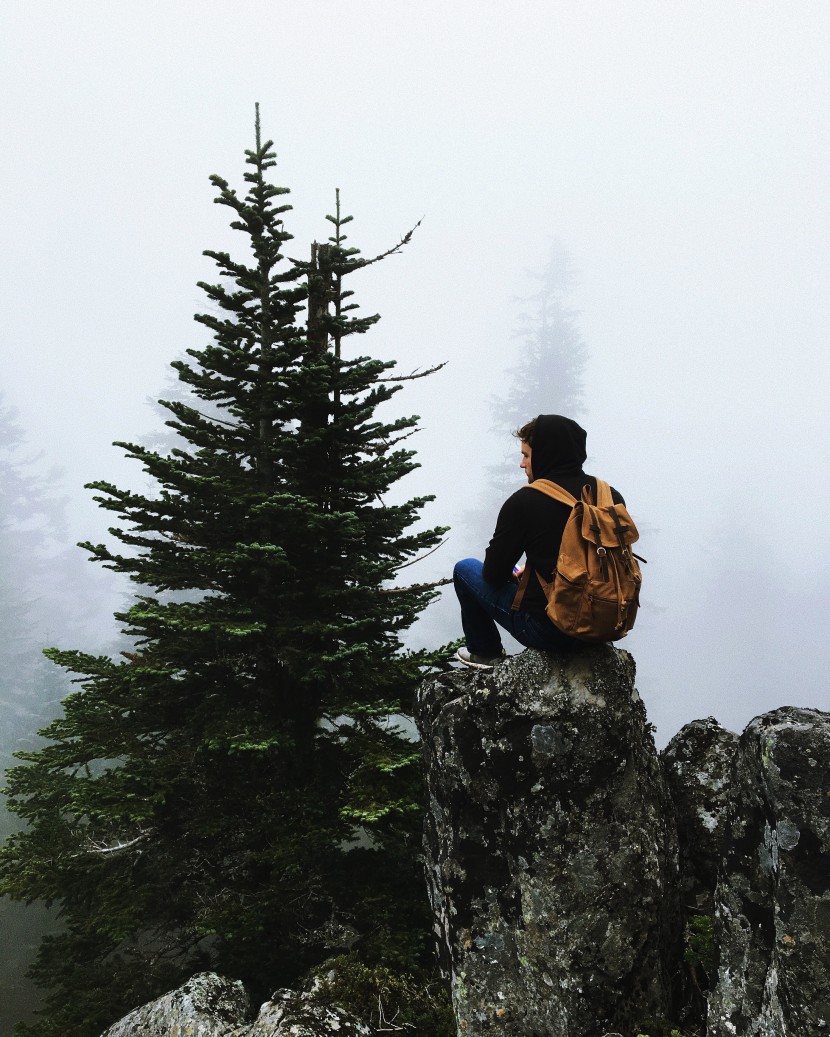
{"type": "Point", "coordinates": [483, 605]}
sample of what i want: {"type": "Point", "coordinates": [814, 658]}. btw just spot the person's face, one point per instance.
{"type": "Point", "coordinates": [524, 464]}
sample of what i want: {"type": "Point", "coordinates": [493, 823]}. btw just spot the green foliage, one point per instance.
{"type": "Point", "coordinates": [35, 578]}
{"type": "Point", "coordinates": [411, 1002]}
{"type": "Point", "coordinates": [235, 793]}
{"type": "Point", "coordinates": [699, 952]}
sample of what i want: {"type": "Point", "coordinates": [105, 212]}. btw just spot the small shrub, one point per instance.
{"type": "Point", "coordinates": [414, 1003]}
{"type": "Point", "coordinates": [700, 948]}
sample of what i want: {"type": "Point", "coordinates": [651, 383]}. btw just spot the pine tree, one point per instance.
{"type": "Point", "coordinates": [32, 565]}
{"type": "Point", "coordinates": [544, 376]}
{"type": "Point", "coordinates": [236, 793]}
{"type": "Point", "coordinates": [547, 376]}
{"type": "Point", "coordinates": [32, 534]}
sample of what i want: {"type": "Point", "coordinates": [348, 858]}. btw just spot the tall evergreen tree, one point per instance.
{"type": "Point", "coordinates": [547, 375]}
{"type": "Point", "coordinates": [32, 597]}
{"type": "Point", "coordinates": [544, 376]}
{"type": "Point", "coordinates": [31, 523]}
{"type": "Point", "coordinates": [235, 793]}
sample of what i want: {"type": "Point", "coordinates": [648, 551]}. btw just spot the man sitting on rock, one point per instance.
{"type": "Point", "coordinates": [529, 524]}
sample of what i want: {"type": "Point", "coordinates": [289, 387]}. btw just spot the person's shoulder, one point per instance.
{"type": "Point", "coordinates": [518, 500]}
{"type": "Point", "coordinates": [524, 501]}
{"type": "Point", "coordinates": [536, 500]}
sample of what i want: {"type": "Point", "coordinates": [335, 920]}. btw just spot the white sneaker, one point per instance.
{"type": "Point", "coordinates": [479, 662]}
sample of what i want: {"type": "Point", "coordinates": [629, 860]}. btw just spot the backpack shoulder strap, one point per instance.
{"type": "Point", "coordinates": [524, 579]}
{"type": "Point", "coordinates": [551, 489]}
{"type": "Point", "coordinates": [604, 497]}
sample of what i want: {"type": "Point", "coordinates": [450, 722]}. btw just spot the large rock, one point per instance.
{"type": "Point", "coordinates": [289, 1014]}
{"type": "Point", "coordinates": [697, 764]}
{"type": "Point", "coordinates": [205, 1006]}
{"type": "Point", "coordinates": [211, 1006]}
{"type": "Point", "coordinates": [551, 854]}
{"type": "Point", "coordinates": [773, 898]}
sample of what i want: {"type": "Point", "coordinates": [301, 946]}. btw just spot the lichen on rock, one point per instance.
{"type": "Point", "coordinates": [206, 1005]}
{"type": "Point", "coordinates": [773, 895]}
{"type": "Point", "coordinates": [551, 853]}
{"type": "Point", "coordinates": [209, 1005]}
{"type": "Point", "coordinates": [697, 764]}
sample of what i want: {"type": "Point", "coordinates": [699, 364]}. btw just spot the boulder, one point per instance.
{"type": "Point", "coordinates": [292, 1014]}
{"type": "Point", "coordinates": [206, 1005]}
{"type": "Point", "coordinates": [772, 903]}
{"type": "Point", "coordinates": [550, 847]}
{"type": "Point", "coordinates": [697, 764]}
{"type": "Point", "coordinates": [211, 1006]}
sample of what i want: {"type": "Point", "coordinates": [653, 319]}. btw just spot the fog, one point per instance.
{"type": "Point", "coordinates": [679, 154]}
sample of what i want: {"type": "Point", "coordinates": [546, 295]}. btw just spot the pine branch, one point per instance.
{"type": "Point", "coordinates": [357, 264]}
{"type": "Point", "coordinates": [414, 587]}
{"type": "Point", "coordinates": [417, 373]}
{"type": "Point", "coordinates": [360, 263]}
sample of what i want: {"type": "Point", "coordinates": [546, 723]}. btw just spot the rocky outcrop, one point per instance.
{"type": "Point", "coordinates": [551, 854]}
{"type": "Point", "coordinates": [212, 1006]}
{"type": "Point", "coordinates": [552, 863]}
{"type": "Point", "coordinates": [697, 764]}
{"type": "Point", "coordinates": [206, 1006]}
{"type": "Point", "coordinates": [289, 1014]}
{"type": "Point", "coordinates": [772, 930]}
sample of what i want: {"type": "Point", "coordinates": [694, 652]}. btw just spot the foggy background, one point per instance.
{"type": "Point", "coordinates": [678, 153]}
{"type": "Point", "coordinates": [675, 152]}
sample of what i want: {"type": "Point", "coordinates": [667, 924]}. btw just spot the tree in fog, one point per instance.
{"type": "Point", "coordinates": [547, 374]}
{"type": "Point", "coordinates": [32, 597]}
{"type": "Point", "coordinates": [234, 793]}
{"type": "Point", "coordinates": [544, 375]}
{"type": "Point", "coordinates": [31, 542]}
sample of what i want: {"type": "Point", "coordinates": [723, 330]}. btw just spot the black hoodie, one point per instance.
{"type": "Point", "coordinates": [531, 523]}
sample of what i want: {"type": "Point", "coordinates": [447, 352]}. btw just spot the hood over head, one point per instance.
{"type": "Point", "coordinates": [558, 446]}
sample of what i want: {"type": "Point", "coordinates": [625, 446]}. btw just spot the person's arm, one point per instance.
{"type": "Point", "coordinates": [507, 544]}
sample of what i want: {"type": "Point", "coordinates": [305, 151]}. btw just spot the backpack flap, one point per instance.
{"type": "Point", "coordinates": [610, 527]}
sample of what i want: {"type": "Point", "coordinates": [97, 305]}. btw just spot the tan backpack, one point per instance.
{"type": "Point", "coordinates": [595, 589]}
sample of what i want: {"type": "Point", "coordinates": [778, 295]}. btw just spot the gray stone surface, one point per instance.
{"type": "Point", "coordinates": [289, 1014]}
{"type": "Point", "coordinates": [697, 764]}
{"type": "Point", "coordinates": [211, 1006]}
{"type": "Point", "coordinates": [550, 846]}
{"type": "Point", "coordinates": [205, 1006]}
{"type": "Point", "coordinates": [773, 897]}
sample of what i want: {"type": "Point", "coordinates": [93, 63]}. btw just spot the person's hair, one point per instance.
{"type": "Point", "coordinates": [525, 433]}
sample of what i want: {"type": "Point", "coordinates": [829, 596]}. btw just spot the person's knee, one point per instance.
{"type": "Point", "coordinates": [467, 567]}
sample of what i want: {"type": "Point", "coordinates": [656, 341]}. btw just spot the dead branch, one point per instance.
{"type": "Point", "coordinates": [420, 558]}
{"type": "Point", "coordinates": [417, 586]}
{"type": "Point", "coordinates": [388, 1025]}
{"type": "Point", "coordinates": [417, 373]}
{"type": "Point", "coordinates": [117, 847]}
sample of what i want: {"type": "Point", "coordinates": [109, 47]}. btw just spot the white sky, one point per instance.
{"type": "Point", "coordinates": [678, 150]}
